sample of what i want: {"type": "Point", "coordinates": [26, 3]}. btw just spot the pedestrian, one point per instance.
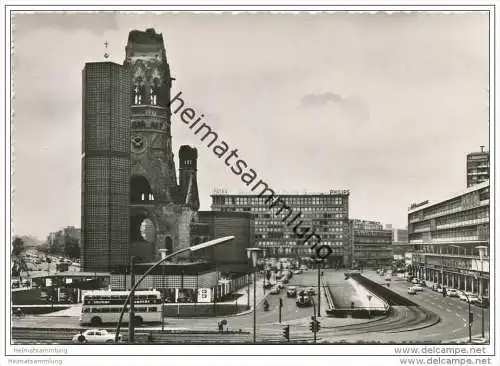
{"type": "Point", "coordinates": [150, 337]}
{"type": "Point", "coordinates": [81, 337]}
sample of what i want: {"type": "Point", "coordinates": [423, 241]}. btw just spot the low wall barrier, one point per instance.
{"type": "Point", "coordinates": [328, 295]}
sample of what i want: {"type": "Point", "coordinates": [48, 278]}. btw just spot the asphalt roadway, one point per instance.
{"type": "Point", "coordinates": [404, 324]}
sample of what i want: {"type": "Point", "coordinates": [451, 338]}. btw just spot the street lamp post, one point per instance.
{"type": "Point", "coordinates": [468, 316]}
{"type": "Point", "coordinates": [482, 252]}
{"type": "Point", "coordinates": [248, 288]}
{"type": "Point", "coordinates": [253, 254]}
{"type": "Point", "coordinates": [188, 249]}
{"type": "Point", "coordinates": [369, 306]}
{"type": "Point", "coordinates": [319, 287]}
{"type": "Point", "coordinates": [131, 318]}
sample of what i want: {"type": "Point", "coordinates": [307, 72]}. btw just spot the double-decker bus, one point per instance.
{"type": "Point", "coordinates": [102, 306]}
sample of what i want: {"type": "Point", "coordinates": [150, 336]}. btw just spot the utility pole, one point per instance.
{"type": "Point", "coordinates": [313, 323]}
{"type": "Point", "coordinates": [131, 317]}
{"type": "Point", "coordinates": [280, 307]}
{"type": "Point", "coordinates": [319, 287]}
{"type": "Point", "coordinates": [163, 311]}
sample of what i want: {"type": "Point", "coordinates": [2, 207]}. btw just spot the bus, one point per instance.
{"type": "Point", "coordinates": [103, 306]}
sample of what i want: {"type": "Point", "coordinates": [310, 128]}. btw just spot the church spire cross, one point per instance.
{"type": "Point", "coordinates": [106, 54]}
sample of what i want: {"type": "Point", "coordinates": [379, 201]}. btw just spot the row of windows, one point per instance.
{"type": "Point", "coordinates": [479, 213]}
{"type": "Point", "coordinates": [119, 309]}
{"type": "Point", "coordinates": [455, 233]}
{"type": "Point", "coordinates": [252, 200]}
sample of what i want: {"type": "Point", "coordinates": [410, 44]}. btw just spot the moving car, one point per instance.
{"type": "Point", "coordinates": [291, 291]}
{"type": "Point", "coordinates": [99, 336]}
{"type": "Point", "coordinates": [415, 280]}
{"type": "Point", "coordinates": [411, 290]}
{"type": "Point", "coordinates": [388, 278]}
{"type": "Point", "coordinates": [280, 284]}
{"type": "Point", "coordinates": [303, 299]}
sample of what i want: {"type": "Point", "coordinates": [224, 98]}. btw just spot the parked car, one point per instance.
{"type": "Point", "coordinates": [451, 292]}
{"type": "Point", "coordinates": [99, 336]}
{"type": "Point", "coordinates": [280, 285]}
{"type": "Point", "coordinates": [411, 290]}
{"type": "Point", "coordinates": [415, 280]}
{"type": "Point", "coordinates": [418, 287]}
{"type": "Point", "coordinates": [462, 296]}
{"type": "Point", "coordinates": [311, 291]}
{"type": "Point", "coordinates": [482, 302]}
{"type": "Point", "coordinates": [473, 298]}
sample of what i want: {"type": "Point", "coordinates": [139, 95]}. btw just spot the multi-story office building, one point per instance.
{"type": "Point", "coordinates": [450, 240]}
{"type": "Point", "coordinates": [400, 244]}
{"type": "Point", "coordinates": [326, 214]}
{"type": "Point", "coordinates": [370, 244]}
{"type": "Point", "coordinates": [105, 165]}
{"type": "Point", "coordinates": [478, 167]}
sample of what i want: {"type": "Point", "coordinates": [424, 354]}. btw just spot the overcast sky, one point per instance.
{"type": "Point", "coordinates": [386, 106]}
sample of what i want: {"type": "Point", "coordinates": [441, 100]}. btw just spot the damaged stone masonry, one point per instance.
{"type": "Point", "coordinates": [248, 176]}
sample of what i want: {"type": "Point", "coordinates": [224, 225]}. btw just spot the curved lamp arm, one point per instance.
{"type": "Point", "coordinates": [192, 249]}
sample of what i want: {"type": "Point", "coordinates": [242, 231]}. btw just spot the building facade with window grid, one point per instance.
{"type": "Point", "coordinates": [327, 214]}
{"type": "Point", "coordinates": [105, 166]}
{"type": "Point", "coordinates": [450, 240]}
{"type": "Point", "coordinates": [478, 167]}
{"type": "Point", "coordinates": [371, 244]}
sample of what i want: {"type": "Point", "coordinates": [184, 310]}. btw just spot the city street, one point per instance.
{"type": "Point", "coordinates": [452, 311]}
{"type": "Point", "coordinates": [403, 324]}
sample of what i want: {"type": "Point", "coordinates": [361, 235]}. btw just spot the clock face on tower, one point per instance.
{"type": "Point", "coordinates": [138, 144]}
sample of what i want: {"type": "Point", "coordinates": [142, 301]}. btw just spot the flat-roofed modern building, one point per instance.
{"type": "Point", "coordinates": [105, 166]}
{"type": "Point", "coordinates": [326, 214]}
{"type": "Point", "coordinates": [400, 244]}
{"type": "Point", "coordinates": [478, 167]}
{"type": "Point", "coordinates": [371, 244]}
{"type": "Point", "coordinates": [450, 240]}
{"type": "Point", "coordinates": [229, 259]}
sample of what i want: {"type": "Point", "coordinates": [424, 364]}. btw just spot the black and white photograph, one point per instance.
{"type": "Point", "coordinates": [249, 180]}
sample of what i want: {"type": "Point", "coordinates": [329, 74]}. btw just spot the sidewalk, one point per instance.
{"type": "Point", "coordinates": [73, 310]}
{"type": "Point", "coordinates": [477, 339]}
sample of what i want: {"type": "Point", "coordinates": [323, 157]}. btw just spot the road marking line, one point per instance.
{"type": "Point", "coordinates": [457, 314]}
{"type": "Point", "coordinates": [456, 330]}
